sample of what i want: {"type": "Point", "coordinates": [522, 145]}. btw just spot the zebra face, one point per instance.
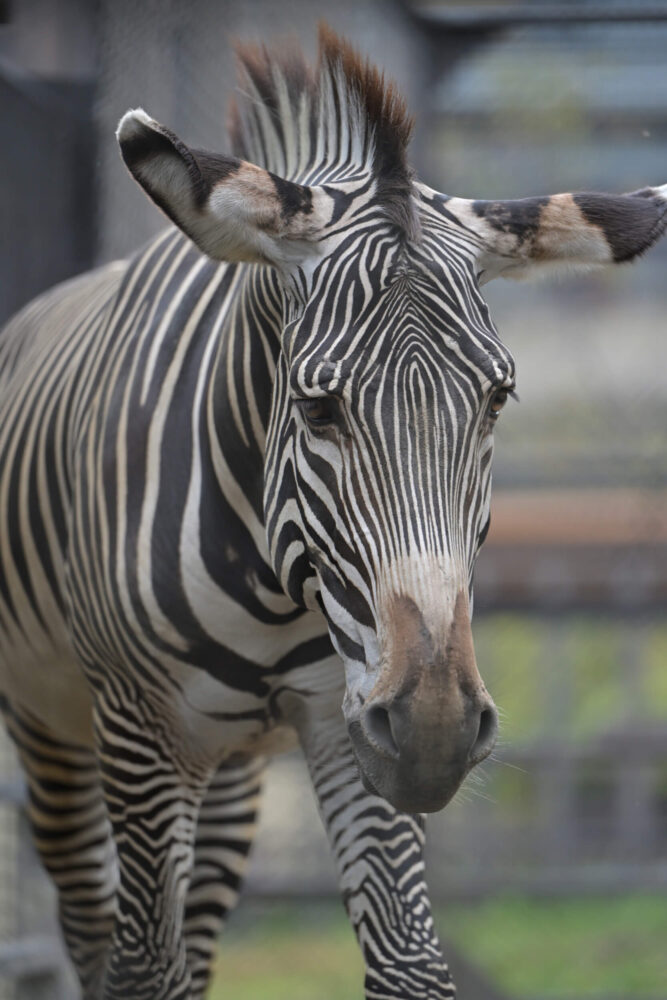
{"type": "Point", "coordinates": [377, 495]}
{"type": "Point", "coordinates": [388, 379]}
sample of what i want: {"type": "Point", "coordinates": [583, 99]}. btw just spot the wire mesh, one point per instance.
{"type": "Point", "coordinates": [9, 852]}
{"type": "Point", "coordinates": [578, 796]}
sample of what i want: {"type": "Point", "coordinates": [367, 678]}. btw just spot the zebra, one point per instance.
{"type": "Point", "coordinates": [244, 477]}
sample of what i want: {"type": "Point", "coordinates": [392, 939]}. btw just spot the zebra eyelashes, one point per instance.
{"type": "Point", "coordinates": [323, 412]}
{"type": "Point", "coordinates": [497, 403]}
{"type": "Point", "coordinates": [499, 399]}
{"type": "Point", "coordinates": [320, 412]}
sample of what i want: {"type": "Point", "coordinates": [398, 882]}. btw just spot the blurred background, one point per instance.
{"type": "Point", "coordinates": [549, 870]}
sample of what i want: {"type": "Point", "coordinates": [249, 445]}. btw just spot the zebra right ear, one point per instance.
{"type": "Point", "coordinates": [231, 209]}
{"type": "Point", "coordinates": [574, 232]}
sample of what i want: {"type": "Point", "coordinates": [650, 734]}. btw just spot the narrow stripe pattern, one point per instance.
{"type": "Point", "coordinates": [186, 557]}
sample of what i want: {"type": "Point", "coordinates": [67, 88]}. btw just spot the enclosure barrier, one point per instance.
{"type": "Point", "coordinates": [32, 961]}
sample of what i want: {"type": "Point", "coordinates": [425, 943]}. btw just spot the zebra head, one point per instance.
{"type": "Point", "coordinates": [389, 380]}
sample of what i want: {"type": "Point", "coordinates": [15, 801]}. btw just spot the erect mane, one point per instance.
{"type": "Point", "coordinates": [337, 120]}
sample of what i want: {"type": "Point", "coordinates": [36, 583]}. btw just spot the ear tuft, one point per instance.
{"type": "Point", "coordinates": [131, 124]}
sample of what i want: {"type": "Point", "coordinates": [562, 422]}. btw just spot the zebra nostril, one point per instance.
{"type": "Point", "coordinates": [378, 729]}
{"type": "Point", "coordinates": [486, 735]}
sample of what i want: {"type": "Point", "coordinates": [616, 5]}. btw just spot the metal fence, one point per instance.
{"type": "Point", "coordinates": [575, 797]}
{"type": "Point", "coordinates": [32, 961]}
{"type": "Point", "coordinates": [575, 800]}
{"type": "Point", "coordinates": [578, 797]}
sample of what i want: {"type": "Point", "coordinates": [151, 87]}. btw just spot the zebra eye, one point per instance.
{"type": "Point", "coordinates": [320, 411]}
{"type": "Point", "coordinates": [498, 401]}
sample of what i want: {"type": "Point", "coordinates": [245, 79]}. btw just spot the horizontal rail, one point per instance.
{"type": "Point", "coordinates": [484, 17]}
{"type": "Point", "coordinates": [583, 516]}
{"type": "Point", "coordinates": [633, 745]}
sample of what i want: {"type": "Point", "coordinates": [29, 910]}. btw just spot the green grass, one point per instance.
{"type": "Point", "coordinates": [573, 677]}
{"type": "Point", "coordinates": [548, 948]}
{"type": "Point", "coordinates": [567, 947]}
{"type": "Point", "coordinates": [289, 952]}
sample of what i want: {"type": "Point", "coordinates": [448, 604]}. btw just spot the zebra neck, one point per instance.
{"type": "Point", "coordinates": [241, 388]}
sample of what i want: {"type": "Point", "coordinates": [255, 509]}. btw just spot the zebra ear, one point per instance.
{"type": "Point", "coordinates": [231, 209]}
{"type": "Point", "coordinates": [563, 231]}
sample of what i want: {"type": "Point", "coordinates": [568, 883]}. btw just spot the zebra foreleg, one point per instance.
{"type": "Point", "coordinates": [379, 856]}
{"type": "Point", "coordinates": [225, 831]}
{"type": "Point", "coordinates": [72, 834]}
{"type": "Point", "coordinates": [153, 791]}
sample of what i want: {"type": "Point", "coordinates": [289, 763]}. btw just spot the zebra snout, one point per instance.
{"type": "Point", "coordinates": [377, 721]}
{"type": "Point", "coordinates": [487, 733]}
{"type": "Point", "coordinates": [394, 731]}
{"type": "Point", "coordinates": [416, 753]}
{"type": "Point", "coordinates": [428, 718]}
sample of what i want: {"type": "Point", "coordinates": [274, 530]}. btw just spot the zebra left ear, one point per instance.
{"type": "Point", "coordinates": [231, 209]}
{"type": "Point", "coordinates": [568, 231]}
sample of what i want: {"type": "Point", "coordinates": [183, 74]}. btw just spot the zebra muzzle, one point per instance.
{"type": "Point", "coordinates": [428, 720]}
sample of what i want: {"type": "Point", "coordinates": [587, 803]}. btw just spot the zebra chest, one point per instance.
{"type": "Point", "coordinates": [232, 695]}
{"type": "Point", "coordinates": [232, 648]}
{"type": "Point", "coordinates": [196, 615]}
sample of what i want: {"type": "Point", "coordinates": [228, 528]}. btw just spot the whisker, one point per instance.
{"type": "Point", "coordinates": [506, 763]}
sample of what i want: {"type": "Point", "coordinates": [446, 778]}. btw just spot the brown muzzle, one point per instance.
{"type": "Point", "coordinates": [429, 719]}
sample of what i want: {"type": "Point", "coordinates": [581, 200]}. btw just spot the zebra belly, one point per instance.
{"type": "Point", "coordinates": [48, 686]}
{"type": "Point", "coordinates": [45, 354]}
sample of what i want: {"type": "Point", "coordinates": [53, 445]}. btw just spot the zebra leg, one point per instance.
{"type": "Point", "coordinates": [153, 786]}
{"type": "Point", "coordinates": [225, 831]}
{"type": "Point", "coordinates": [379, 856]}
{"type": "Point", "coordinates": [72, 834]}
